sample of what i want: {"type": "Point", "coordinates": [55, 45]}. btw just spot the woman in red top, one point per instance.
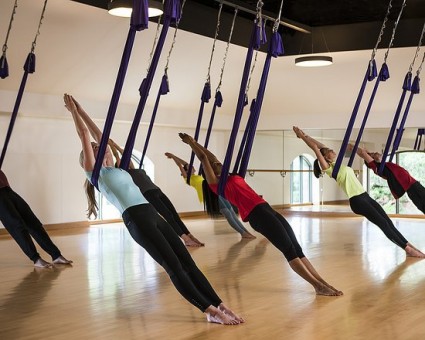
{"type": "Point", "coordinates": [262, 217]}
{"type": "Point", "coordinates": [399, 180]}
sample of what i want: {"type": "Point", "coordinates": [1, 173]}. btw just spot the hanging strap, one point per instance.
{"type": "Point", "coordinates": [139, 21]}
{"type": "Point", "coordinates": [369, 76]}
{"type": "Point", "coordinates": [205, 97]}
{"type": "Point", "coordinates": [4, 67]}
{"type": "Point", "coordinates": [241, 100]}
{"type": "Point", "coordinates": [29, 67]}
{"type": "Point", "coordinates": [172, 13]}
{"type": "Point", "coordinates": [418, 139]}
{"type": "Point", "coordinates": [164, 88]}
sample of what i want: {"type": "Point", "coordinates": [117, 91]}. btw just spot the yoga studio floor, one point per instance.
{"type": "Point", "coordinates": [115, 291]}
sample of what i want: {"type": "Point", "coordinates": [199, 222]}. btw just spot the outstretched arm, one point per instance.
{"type": "Point", "coordinates": [314, 145]}
{"type": "Point", "coordinates": [206, 157]}
{"type": "Point", "coordinates": [179, 162]}
{"type": "Point", "coordinates": [94, 130]}
{"type": "Point", "coordinates": [363, 153]}
{"type": "Point", "coordinates": [83, 132]}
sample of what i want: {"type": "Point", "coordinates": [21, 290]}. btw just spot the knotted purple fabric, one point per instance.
{"type": "Point", "coordinates": [139, 21]}
{"type": "Point", "coordinates": [418, 139]}
{"type": "Point", "coordinates": [29, 67]}
{"type": "Point", "coordinates": [172, 14]}
{"type": "Point", "coordinates": [163, 90]}
{"type": "Point", "coordinates": [4, 67]}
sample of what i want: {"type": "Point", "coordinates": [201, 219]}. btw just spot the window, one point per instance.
{"type": "Point", "coordinates": [301, 180]}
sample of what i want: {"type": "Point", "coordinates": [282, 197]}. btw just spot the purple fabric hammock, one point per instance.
{"type": "Point", "coordinates": [164, 88]}
{"type": "Point", "coordinates": [371, 73]}
{"type": "Point", "coordinates": [407, 84]}
{"type": "Point", "coordinates": [414, 89]}
{"type": "Point", "coordinates": [418, 139]}
{"type": "Point", "coordinates": [29, 67]}
{"type": "Point", "coordinates": [205, 97]}
{"type": "Point", "coordinates": [4, 67]}
{"type": "Point", "coordinates": [139, 21]}
{"type": "Point", "coordinates": [255, 41]}
{"type": "Point", "coordinates": [275, 50]}
{"type": "Point", "coordinates": [218, 101]}
{"type": "Point", "coordinates": [172, 12]}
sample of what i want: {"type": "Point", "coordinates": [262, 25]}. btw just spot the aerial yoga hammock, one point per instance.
{"type": "Point", "coordinates": [4, 66]}
{"type": "Point", "coordinates": [419, 135]}
{"type": "Point", "coordinates": [163, 88]}
{"type": "Point", "coordinates": [29, 67]}
{"type": "Point", "coordinates": [139, 21]}
{"type": "Point", "coordinates": [371, 73]}
{"type": "Point", "coordinates": [275, 49]}
{"type": "Point", "coordinates": [414, 89]}
{"type": "Point", "coordinates": [205, 96]}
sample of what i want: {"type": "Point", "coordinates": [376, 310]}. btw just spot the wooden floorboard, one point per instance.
{"type": "Point", "coordinates": [114, 290]}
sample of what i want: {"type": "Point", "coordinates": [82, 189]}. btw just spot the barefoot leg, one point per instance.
{"type": "Point", "coordinates": [40, 263]}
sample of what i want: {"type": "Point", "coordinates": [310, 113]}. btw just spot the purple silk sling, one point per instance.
{"type": "Point", "coordinates": [172, 12]}
{"type": "Point", "coordinates": [139, 21]}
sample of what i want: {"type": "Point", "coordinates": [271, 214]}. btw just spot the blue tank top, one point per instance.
{"type": "Point", "coordinates": [118, 187]}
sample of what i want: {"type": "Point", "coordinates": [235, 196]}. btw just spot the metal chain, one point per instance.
{"type": "Point", "coordinates": [174, 38]}
{"type": "Point", "coordinates": [417, 49]}
{"type": "Point", "coordinates": [227, 50]}
{"type": "Point", "coordinates": [217, 29]}
{"type": "Point", "coordinates": [34, 43]}
{"type": "Point", "coordinates": [154, 42]}
{"type": "Point", "coordinates": [418, 72]}
{"type": "Point", "coordinates": [382, 30]}
{"type": "Point", "coordinates": [394, 30]}
{"type": "Point", "coordinates": [10, 27]}
{"type": "Point", "coordinates": [251, 72]}
{"type": "Point", "coordinates": [259, 16]}
{"type": "Point", "coordinates": [277, 21]}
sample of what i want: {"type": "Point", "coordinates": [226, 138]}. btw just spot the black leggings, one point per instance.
{"type": "Point", "coordinates": [21, 223]}
{"type": "Point", "coordinates": [166, 209]}
{"type": "Point", "coordinates": [264, 219]}
{"type": "Point", "coordinates": [416, 193]}
{"type": "Point", "coordinates": [156, 236]}
{"type": "Point", "coordinates": [364, 205]}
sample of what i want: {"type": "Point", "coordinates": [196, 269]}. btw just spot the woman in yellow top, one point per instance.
{"type": "Point", "coordinates": [360, 201]}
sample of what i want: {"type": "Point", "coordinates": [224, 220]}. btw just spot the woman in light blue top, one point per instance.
{"type": "Point", "coordinates": [145, 225]}
{"type": "Point", "coordinates": [360, 201]}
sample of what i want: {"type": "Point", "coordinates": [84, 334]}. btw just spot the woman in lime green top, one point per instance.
{"type": "Point", "coordinates": [360, 202]}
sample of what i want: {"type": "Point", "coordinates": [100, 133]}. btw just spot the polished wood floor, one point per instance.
{"type": "Point", "coordinates": [115, 291]}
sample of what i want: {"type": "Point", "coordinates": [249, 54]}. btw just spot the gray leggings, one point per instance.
{"type": "Point", "coordinates": [227, 211]}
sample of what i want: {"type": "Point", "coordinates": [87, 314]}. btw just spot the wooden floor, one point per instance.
{"type": "Point", "coordinates": [115, 290]}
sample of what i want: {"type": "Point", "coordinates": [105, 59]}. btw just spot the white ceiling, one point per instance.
{"type": "Point", "coordinates": [80, 47]}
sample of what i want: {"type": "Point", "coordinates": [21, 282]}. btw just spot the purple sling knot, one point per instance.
{"type": "Point", "coordinates": [139, 16]}
{"type": "Point", "coordinates": [172, 10]}
{"type": "Point", "coordinates": [164, 87]}
{"type": "Point", "coordinates": [251, 108]}
{"type": "Point", "coordinates": [276, 45]}
{"type": "Point", "coordinates": [384, 73]}
{"type": "Point", "coordinates": [260, 37]}
{"type": "Point", "coordinates": [415, 85]}
{"type": "Point", "coordinates": [30, 63]}
{"type": "Point", "coordinates": [407, 84]}
{"type": "Point", "coordinates": [206, 93]}
{"type": "Point", "coordinates": [142, 86]}
{"type": "Point", "coordinates": [4, 67]}
{"type": "Point", "coordinates": [373, 72]}
{"type": "Point", "coordinates": [218, 99]}
{"type": "Point", "coordinates": [246, 100]}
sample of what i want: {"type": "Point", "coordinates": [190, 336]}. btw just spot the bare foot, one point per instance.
{"type": "Point", "coordinates": [61, 260]}
{"type": "Point", "coordinates": [214, 315]}
{"type": "Point", "coordinates": [226, 310]}
{"type": "Point", "coordinates": [323, 289]}
{"type": "Point", "coordinates": [333, 288]}
{"type": "Point", "coordinates": [248, 235]}
{"type": "Point", "coordinates": [193, 238]}
{"type": "Point", "coordinates": [413, 252]}
{"type": "Point", "coordinates": [188, 242]}
{"type": "Point", "coordinates": [40, 263]}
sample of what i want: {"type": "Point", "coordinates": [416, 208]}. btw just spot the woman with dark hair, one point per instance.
{"type": "Point", "coordinates": [214, 204]}
{"type": "Point", "coordinates": [262, 217]}
{"type": "Point", "coordinates": [360, 202]}
{"type": "Point", "coordinates": [145, 225]}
